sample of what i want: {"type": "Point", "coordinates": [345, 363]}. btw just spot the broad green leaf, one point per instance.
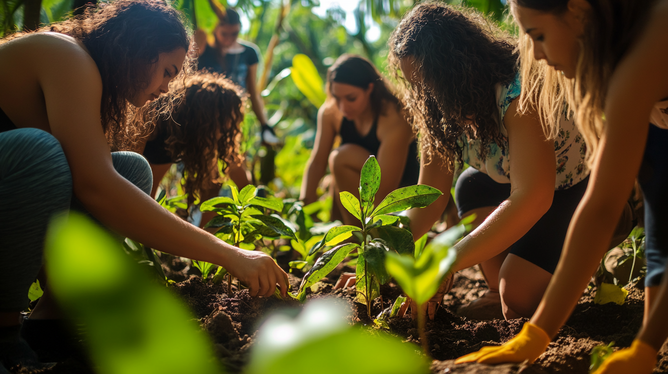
{"type": "Point", "coordinates": [277, 224]}
{"type": "Point", "coordinates": [338, 234]}
{"type": "Point", "coordinates": [369, 182]}
{"type": "Point", "coordinates": [299, 247]}
{"type": "Point", "coordinates": [235, 194]}
{"type": "Point", "coordinates": [324, 265]}
{"type": "Point", "coordinates": [250, 211]}
{"type": "Point", "coordinates": [118, 303]}
{"type": "Point", "coordinates": [448, 238]}
{"type": "Point", "coordinates": [218, 221]}
{"type": "Point", "coordinates": [216, 203]}
{"type": "Point", "coordinates": [308, 81]}
{"type": "Point", "coordinates": [362, 280]}
{"type": "Point", "coordinates": [316, 247]}
{"type": "Point", "coordinates": [351, 203]}
{"type": "Point", "coordinates": [267, 202]}
{"type": "Point", "coordinates": [246, 194]}
{"type": "Point", "coordinates": [398, 239]}
{"type": "Point", "coordinates": [418, 196]}
{"type": "Point", "coordinates": [320, 341]}
{"type": "Point", "coordinates": [374, 254]}
{"type": "Point", "coordinates": [385, 219]}
{"type": "Point", "coordinates": [419, 245]}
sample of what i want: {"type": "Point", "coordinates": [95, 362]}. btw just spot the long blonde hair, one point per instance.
{"type": "Point", "coordinates": [610, 28]}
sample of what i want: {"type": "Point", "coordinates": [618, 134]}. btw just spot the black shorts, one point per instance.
{"type": "Point", "coordinates": [542, 244]}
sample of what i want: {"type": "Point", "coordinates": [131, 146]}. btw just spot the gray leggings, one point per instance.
{"type": "Point", "coordinates": [35, 185]}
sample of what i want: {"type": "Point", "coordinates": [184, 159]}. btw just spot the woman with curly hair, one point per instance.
{"type": "Point", "coordinates": [211, 104]}
{"type": "Point", "coordinates": [369, 118]}
{"type": "Point", "coordinates": [527, 171]}
{"type": "Point", "coordinates": [615, 53]}
{"type": "Point", "coordinates": [67, 92]}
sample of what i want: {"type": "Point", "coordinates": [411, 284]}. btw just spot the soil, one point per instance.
{"type": "Point", "coordinates": [232, 321]}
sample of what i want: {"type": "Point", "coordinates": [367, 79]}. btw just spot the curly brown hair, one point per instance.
{"type": "Point", "coordinates": [212, 105]}
{"type": "Point", "coordinates": [459, 57]}
{"type": "Point", "coordinates": [125, 39]}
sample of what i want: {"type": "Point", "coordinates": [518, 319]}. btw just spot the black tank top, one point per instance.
{"type": "Point", "coordinates": [371, 143]}
{"type": "Point", "coordinates": [6, 124]}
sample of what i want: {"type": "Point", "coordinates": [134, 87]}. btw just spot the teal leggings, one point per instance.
{"type": "Point", "coordinates": [35, 185]}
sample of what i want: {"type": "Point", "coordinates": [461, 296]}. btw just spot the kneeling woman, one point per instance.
{"type": "Point", "coordinates": [527, 171]}
{"type": "Point", "coordinates": [203, 128]}
{"type": "Point", "coordinates": [362, 109]}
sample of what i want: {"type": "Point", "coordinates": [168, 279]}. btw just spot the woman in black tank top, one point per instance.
{"type": "Point", "coordinates": [369, 119]}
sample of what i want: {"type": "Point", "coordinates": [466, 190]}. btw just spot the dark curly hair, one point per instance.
{"type": "Point", "coordinates": [212, 105]}
{"type": "Point", "coordinates": [459, 57]}
{"type": "Point", "coordinates": [125, 39]}
{"type": "Point", "coordinates": [360, 72]}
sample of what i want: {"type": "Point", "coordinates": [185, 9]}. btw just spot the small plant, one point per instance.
{"type": "Point", "coordinates": [599, 354]}
{"type": "Point", "coordinates": [241, 219]}
{"type": "Point", "coordinates": [307, 235]}
{"type": "Point", "coordinates": [376, 236]}
{"type": "Point", "coordinates": [421, 276]}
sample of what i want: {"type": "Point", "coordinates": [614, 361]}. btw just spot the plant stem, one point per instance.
{"type": "Point", "coordinates": [423, 335]}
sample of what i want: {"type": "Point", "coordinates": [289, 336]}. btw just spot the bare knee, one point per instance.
{"type": "Point", "coordinates": [521, 285]}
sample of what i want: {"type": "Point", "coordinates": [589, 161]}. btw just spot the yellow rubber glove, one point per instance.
{"type": "Point", "coordinates": [639, 358]}
{"type": "Point", "coordinates": [530, 343]}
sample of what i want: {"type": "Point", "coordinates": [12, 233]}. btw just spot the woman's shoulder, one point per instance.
{"type": "Point", "coordinates": [330, 114]}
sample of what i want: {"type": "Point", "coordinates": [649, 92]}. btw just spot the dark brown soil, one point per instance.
{"type": "Point", "coordinates": [233, 320]}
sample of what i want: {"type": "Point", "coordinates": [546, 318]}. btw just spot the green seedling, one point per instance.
{"type": "Point", "coordinates": [420, 278]}
{"type": "Point", "coordinates": [320, 340]}
{"type": "Point", "coordinates": [241, 220]}
{"type": "Point", "coordinates": [125, 314]}
{"type": "Point", "coordinates": [307, 234]}
{"type": "Point", "coordinates": [377, 235]}
{"type": "Point", "coordinates": [599, 354]}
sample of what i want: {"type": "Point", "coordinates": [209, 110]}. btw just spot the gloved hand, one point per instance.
{"type": "Point", "coordinates": [530, 343]}
{"type": "Point", "coordinates": [639, 358]}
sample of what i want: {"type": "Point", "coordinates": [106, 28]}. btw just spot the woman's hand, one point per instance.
{"type": "Point", "coordinates": [528, 345]}
{"type": "Point", "coordinates": [258, 271]}
{"type": "Point", "coordinates": [639, 358]}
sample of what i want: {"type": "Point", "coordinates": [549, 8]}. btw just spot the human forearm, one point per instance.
{"type": "Point", "coordinates": [312, 175]}
{"type": "Point", "coordinates": [258, 107]}
{"type": "Point", "coordinates": [586, 243]}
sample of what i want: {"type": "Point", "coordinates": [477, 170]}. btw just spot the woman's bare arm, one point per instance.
{"type": "Point", "coordinates": [640, 80]}
{"type": "Point", "coordinates": [395, 139]}
{"type": "Point", "coordinates": [317, 163]}
{"type": "Point", "coordinates": [438, 176]}
{"type": "Point", "coordinates": [532, 179]}
{"type": "Point", "coordinates": [254, 94]}
{"type": "Point", "coordinates": [74, 120]}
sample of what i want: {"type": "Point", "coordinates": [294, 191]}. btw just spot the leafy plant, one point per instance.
{"type": "Point", "coordinates": [241, 219]}
{"type": "Point", "coordinates": [124, 313]}
{"type": "Point", "coordinates": [376, 236]}
{"type": "Point", "coordinates": [599, 354]}
{"type": "Point", "coordinates": [320, 340]}
{"type": "Point", "coordinates": [421, 276]}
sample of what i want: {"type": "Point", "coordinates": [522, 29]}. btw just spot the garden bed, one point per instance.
{"type": "Point", "coordinates": [232, 322]}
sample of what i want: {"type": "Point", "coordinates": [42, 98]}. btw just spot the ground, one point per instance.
{"type": "Point", "coordinates": [233, 321]}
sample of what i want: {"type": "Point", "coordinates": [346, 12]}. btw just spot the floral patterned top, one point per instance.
{"type": "Point", "coordinates": [569, 147]}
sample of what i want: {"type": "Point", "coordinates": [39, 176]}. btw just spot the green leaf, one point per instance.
{"type": "Point", "coordinates": [324, 265]}
{"type": "Point", "coordinates": [448, 238]}
{"type": "Point", "coordinates": [320, 341]}
{"type": "Point", "coordinates": [369, 182]}
{"type": "Point", "coordinates": [374, 254]}
{"type": "Point", "coordinates": [338, 234]}
{"type": "Point", "coordinates": [351, 203]}
{"type": "Point", "coordinates": [361, 282]}
{"type": "Point", "coordinates": [247, 194]}
{"type": "Point", "coordinates": [308, 81]}
{"type": "Point", "coordinates": [218, 221]}
{"type": "Point", "coordinates": [297, 264]}
{"type": "Point", "coordinates": [218, 203]}
{"type": "Point", "coordinates": [267, 202]}
{"type": "Point", "coordinates": [397, 305]}
{"type": "Point", "coordinates": [398, 239]}
{"type": "Point", "coordinates": [418, 196]}
{"type": "Point", "coordinates": [235, 194]}
{"type": "Point", "coordinates": [118, 303]}
{"type": "Point", "coordinates": [419, 245]}
{"type": "Point", "coordinates": [277, 224]}
{"type": "Point", "coordinates": [35, 291]}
